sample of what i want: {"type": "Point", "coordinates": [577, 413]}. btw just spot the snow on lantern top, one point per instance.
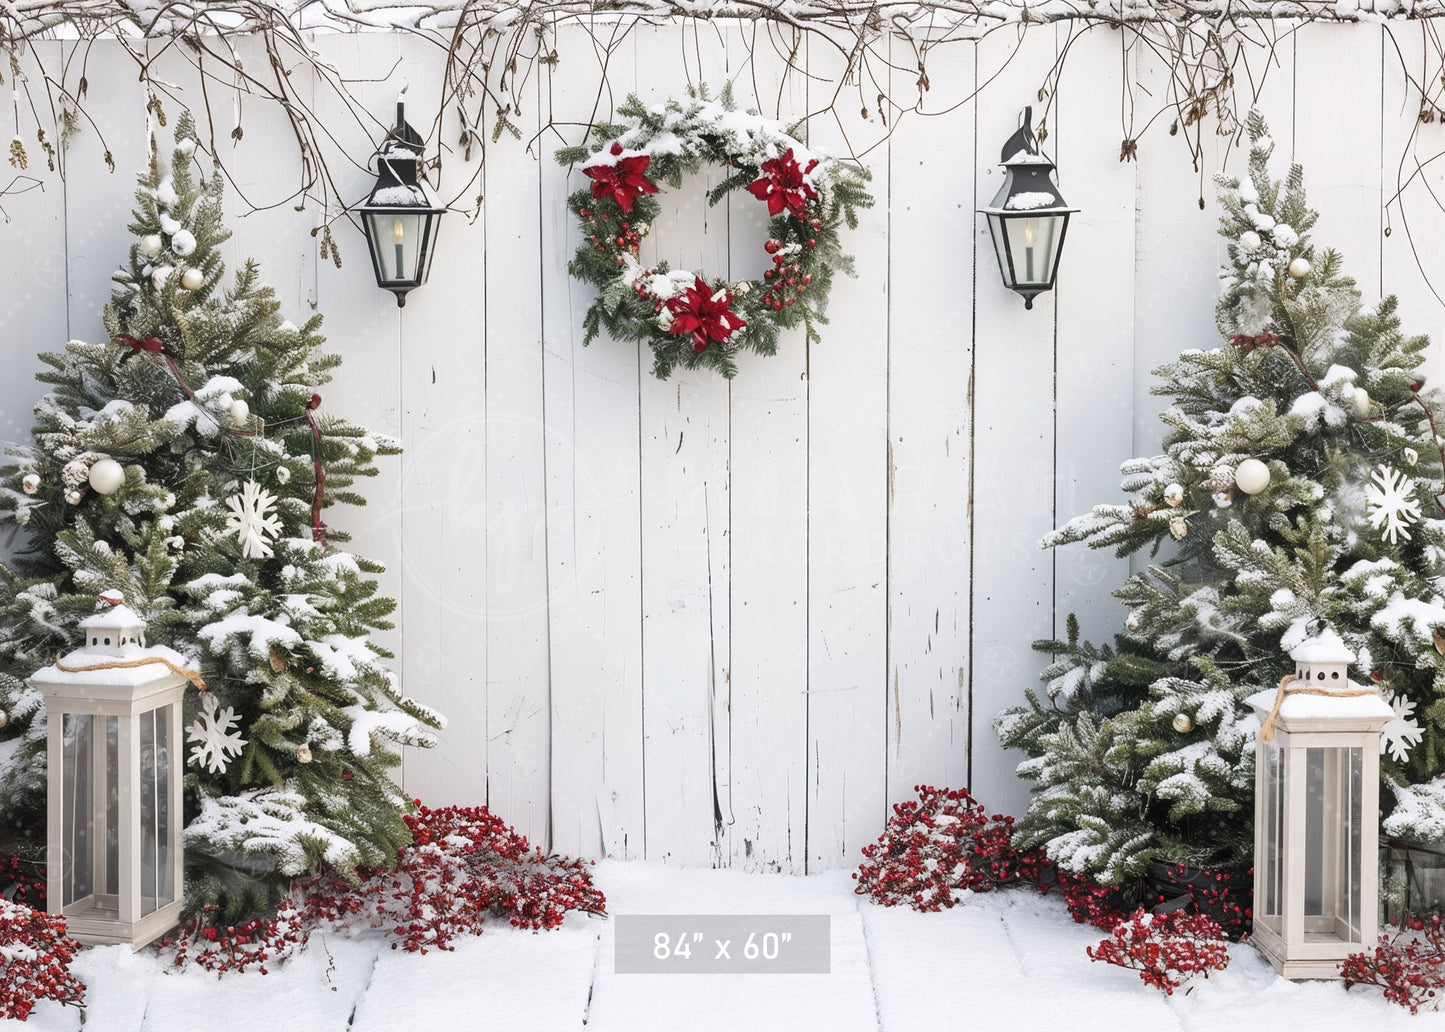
{"type": "Point", "coordinates": [1323, 661]}
{"type": "Point", "coordinates": [114, 630]}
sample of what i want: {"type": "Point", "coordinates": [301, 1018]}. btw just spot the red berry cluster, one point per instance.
{"type": "Point", "coordinates": [1409, 964]}
{"type": "Point", "coordinates": [786, 281]}
{"type": "Point", "coordinates": [1212, 893]}
{"type": "Point", "coordinates": [944, 841]}
{"type": "Point", "coordinates": [23, 880]}
{"type": "Point", "coordinates": [1166, 949]}
{"type": "Point", "coordinates": [35, 956]}
{"type": "Point", "coordinates": [1089, 902]}
{"type": "Point", "coordinates": [254, 943]}
{"type": "Point", "coordinates": [464, 865]}
{"type": "Point", "coordinates": [601, 234]}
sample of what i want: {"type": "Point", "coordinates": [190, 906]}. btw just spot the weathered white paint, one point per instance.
{"type": "Point", "coordinates": [730, 623]}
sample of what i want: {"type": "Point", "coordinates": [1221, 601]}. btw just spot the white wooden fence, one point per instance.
{"type": "Point", "coordinates": [729, 623]}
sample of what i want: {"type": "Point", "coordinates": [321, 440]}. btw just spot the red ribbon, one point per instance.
{"type": "Point", "coordinates": [154, 345]}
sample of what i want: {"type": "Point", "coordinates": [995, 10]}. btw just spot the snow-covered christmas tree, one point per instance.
{"type": "Point", "coordinates": [1298, 491]}
{"type": "Point", "coordinates": [187, 461]}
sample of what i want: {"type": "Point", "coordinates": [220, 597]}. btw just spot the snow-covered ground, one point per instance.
{"type": "Point", "coordinates": [1006, 961]}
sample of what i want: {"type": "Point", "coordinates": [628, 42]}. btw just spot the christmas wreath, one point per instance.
{"type": "Point", "coordinates": [689, 317]}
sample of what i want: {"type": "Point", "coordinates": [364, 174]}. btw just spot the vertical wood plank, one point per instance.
{"type": "Point", "coordinates": [685, 522]}
{"type": "Point", "coordinates": [363, 323]}
{"type": "Point", "coordinates": [33, 307]}
{"type": "Point", "coordinates": [1014, 420]}
{"type": "Point", "coordinates": [930, 362]}
{"type": "Point", "coordinates": [765, 800]}
{"type": "Point", "coordinates": [518, 702]}
{"type": "Point", "coordinates": [1412, 260]}
{"type": "Point", "coordinates": [1342, 170]}
{"type": "Point", "coordinates": [848, 502]}
{"type": "Point", "coordinates": [594, 531]}
{"type": "Point", "coordinates": [98, 212]}
{"type": "Point", "coordinates": [1094, 359]}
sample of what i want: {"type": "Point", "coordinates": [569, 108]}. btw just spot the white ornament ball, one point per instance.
{"type": "Point", "coordinates": [151, 244]}
{"type": "Point", "coordinates": [183, 242]}
{"type": "Point", "coordinates": [1249, 240]}
{"type": "Point", "coordinates": [193, 279]}
{"type": "Point", "coordinates": [159, 276]}
{"type": "Point", "coordinates": [1174, 494]}
{"type": "Point", "coordinates": [283, 475]}
{"type": "Point", "coordinates": [4, 718]}
{"type": "Point", "coordinates": [73, 497]}
{"type": "Point", "coordinates": [1299, 268]}
{"type": "Point", "coordinates": [1361, 402]}
{"type": "Point", "coordinates": [1183, 723]}
{"type": "Point", "coordinates": [31, 483]}
{"type": "Point", "coordinates": [106, 476]}
{"type": "Point", "coordinates": [240, 412]}
{"type": "Point", "coordinates": [303, 754]}
{"type": "Point", "coordinates": [1251, 476]}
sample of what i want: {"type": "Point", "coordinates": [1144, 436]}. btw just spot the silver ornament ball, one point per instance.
{"type": "Point", "coordinates": [1183, 723]}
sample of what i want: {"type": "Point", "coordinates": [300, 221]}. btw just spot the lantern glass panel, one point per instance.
{"type": "Point", "coordinates": [91, 863]}
{"type": "Point", "coordinates": [1271, 911]}
{"type": "Point", "coordinates": [398, 240]}
{"type": "Point", "coordinates": [1033, 247]}
{"type": "Point", "coordinates": [1333, 837]}
{"type": "Point", "coordinates": [157, 857]}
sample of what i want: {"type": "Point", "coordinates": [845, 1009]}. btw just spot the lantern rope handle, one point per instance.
{"type": "Point", "coordinates": [1266, 731]}
{"type": "Point", "coordinates": [189, 675]}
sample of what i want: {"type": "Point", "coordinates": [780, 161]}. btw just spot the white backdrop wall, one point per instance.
{"type": "Point", "coordinates": [730, 623]}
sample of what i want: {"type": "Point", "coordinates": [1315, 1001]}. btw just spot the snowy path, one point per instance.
{"type": "Point", "coordinates": [1011, 960]}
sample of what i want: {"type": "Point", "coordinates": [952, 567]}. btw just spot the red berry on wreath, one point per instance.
{"type": "Point", "coordinates": [768, 274]}
{"type": "Point", "coordinates": [812, 243]}
{"type": "Point", "coordinates": [620, 241]}
{"type": "Point", "coordinates": [807, 279]}
{"type": "Point", "coordinates": [772, 246]}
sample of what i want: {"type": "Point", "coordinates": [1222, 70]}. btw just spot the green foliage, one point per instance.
{"type": "Point", "coordinates": [285, 639]}
{"type": "Point", "coordinates": [1240, 578]}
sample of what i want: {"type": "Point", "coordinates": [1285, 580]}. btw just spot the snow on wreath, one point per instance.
{"type": "Point", "coordinates": [689, 317]}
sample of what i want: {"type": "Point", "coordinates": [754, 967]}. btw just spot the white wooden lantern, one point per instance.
{"type": "Point", "coordinates": [113, 835]}
{"type": "Point", "coordinates": [1317, 814]}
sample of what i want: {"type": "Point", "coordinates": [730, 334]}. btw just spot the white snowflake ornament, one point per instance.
{"type": "Point", "coordinates": [253, 520]}
{"type": "Point", "coordinates": [215, 735]}
{"type": "Point", "coordinates": [1391, 503]}
{"type": "Point", "coordinates": [1402, 732]}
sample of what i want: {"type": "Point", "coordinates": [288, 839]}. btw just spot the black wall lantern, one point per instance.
{"type": "Point", "coordinates": [400, 220]}
{"type": "Point", "coordinates": [1028, 217]}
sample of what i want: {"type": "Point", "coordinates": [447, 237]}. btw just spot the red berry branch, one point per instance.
{"type": "Point", "coordinates": [1408, 964]}
{"type": "Point", "coordinates": [942, 842]}
{"type": "Point", "coordinates": [35, 956]}
{"type": "Point", "coordinates": [1166, 949]}
{"type": "Point", "coordinates": [464, 865]}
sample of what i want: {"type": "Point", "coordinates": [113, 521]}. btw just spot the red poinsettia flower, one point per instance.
{"type": "Point", "coordinates": [704, 313]}
{"type": "Point", "coordinates": [782, 185]}
{"type": "Point", "coordinates": [624, 182]}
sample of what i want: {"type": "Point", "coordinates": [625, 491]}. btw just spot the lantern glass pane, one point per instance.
{"type": "Point", "coordinates": [91, 790]}
{"type": "Point", "coordinates": [1316, 811]}
{"type": "Point", "coordinates": [397, 240]}
{"type": "Point", "coordinates": [78, 878]}
{"type": "Point", "coordinates": [1033, 243]}
{"type": "Point", "coordinates": [1351, 862]}
{"type": "Point", "coordinates": [1000, 248]}
{"type": "Point", "coordinates": [1273, 817]}
{"type": "Point", "coordinates": [157, 859]}
{"type": "Point", "coordinates": [1334, 825]}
